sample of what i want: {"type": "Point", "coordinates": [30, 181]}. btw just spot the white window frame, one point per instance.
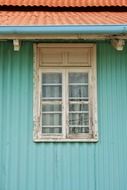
{"type": "Point", "coordinates": [65, 137]}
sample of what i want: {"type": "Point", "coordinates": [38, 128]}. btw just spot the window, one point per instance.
{"type": "Point", "coordinates": [65, 107]}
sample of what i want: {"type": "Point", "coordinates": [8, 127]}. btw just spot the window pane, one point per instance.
{"type": "Point", "coordinates": [75, 130]}
{"type": "Point", "coordinates": [51, 107]}
{"type": "Point", "coordinates": [51, 119]}
{"type": "Point", "coordinates": [51, 78]}
{"type": "Point", "coordinates": [52, 130]}
{"type": "Point", "coordinates": [78, 107]}
{"type": "Point", "coordinates": [78, 119]}
{"type": "Point", "coordinates": [78, 77]}
{"type": "Point", "coordinates": [51, 91]}
{"type": "Point", "coordinates": [78, 91]}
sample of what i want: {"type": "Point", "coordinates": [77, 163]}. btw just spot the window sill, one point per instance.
{"type": "Point", "coordinates": [65, 140]}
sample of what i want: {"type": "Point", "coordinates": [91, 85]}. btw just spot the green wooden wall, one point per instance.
{"type": "Point", "coordinates": [25, 165]}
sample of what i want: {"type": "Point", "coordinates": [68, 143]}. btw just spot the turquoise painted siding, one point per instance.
{"type": "Point", "coordinates": [25, 165]}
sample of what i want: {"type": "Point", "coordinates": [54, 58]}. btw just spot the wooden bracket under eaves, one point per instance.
{"type": "Point", "coordinates": [118, 44]}
{"type": "Point", "coordinates": [16, 44]}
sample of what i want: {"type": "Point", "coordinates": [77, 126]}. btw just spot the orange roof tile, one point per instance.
{"type": "Point", "coordinates": [64, 3]}
{"type": "Point", "coordinates": [61, 18]}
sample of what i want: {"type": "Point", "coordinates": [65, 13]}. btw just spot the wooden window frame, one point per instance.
{"type": "Point", "coordinates": [37, 132]}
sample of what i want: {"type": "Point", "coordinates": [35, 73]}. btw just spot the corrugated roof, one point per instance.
{"type": "Point", "coordinates": [61, 18]}
{"type": "Point", "coordinates": [64, 3]}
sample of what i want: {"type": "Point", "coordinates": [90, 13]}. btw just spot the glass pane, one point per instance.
{"type": "Point", "coordinates": [51, 91]}
{"type": "Point", "coordinates": [51, 119]}
{"type": "Point", "coordinates": [78, 91]}
{"type": "Point", "coordinates": [51, 107]}
{"type": "Point", "coordinates": [52, 130]}
{"type": "Point", "coordinates": [75, 130]}
{"type": "Point", "coordinates": [78, 107]}
{"type": "Point", "coordinates": [78, 77]}
{"type": "Point", "coordinates": [78, 119]}
{"type": "Point", "coordinates": [51, 78]}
